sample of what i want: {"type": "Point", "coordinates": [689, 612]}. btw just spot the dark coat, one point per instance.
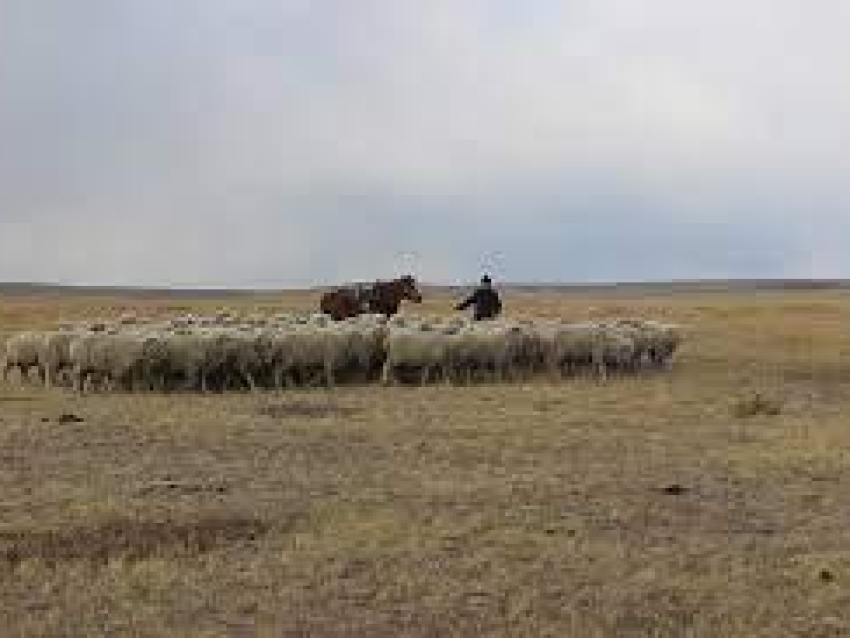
{"type": "Point", "coordinates": [486, 302]}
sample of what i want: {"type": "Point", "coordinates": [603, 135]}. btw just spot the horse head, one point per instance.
{"type": "Point", "coordinates": [408, 290]}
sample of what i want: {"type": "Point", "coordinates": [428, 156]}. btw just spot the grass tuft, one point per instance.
{"type": "Point", "coordinates": [756, 405]}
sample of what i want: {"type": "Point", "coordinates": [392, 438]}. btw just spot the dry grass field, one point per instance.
{"type": "Point", "coordinates": [663, 505]}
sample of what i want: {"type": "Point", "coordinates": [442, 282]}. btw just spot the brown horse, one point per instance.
{"type": "Point", "coordinates": [383, 297]}
{"type": "Point", "coordinates": [341, 303]}
{"type": "Point", "coordinates": [386, 296]}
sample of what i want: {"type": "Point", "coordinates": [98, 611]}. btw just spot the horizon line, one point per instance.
{"type": "Point", "coordinates": [784, 282]}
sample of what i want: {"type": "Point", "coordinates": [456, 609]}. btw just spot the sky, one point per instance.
{"type": "Point", "coordinates": [288, 143]}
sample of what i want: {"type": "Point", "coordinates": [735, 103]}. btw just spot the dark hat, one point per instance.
{"type": "Point", "coordinates": [486, 279]}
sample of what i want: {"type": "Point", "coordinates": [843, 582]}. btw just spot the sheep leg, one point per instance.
{"type": "Point", "coordinates": [77, 377]}
{"type": "Point", "coordinates": [329, 374]}
{"type": "Point", "coordinates": [91, 381]}
{"type": "Point", "coordinates": [60, 377]}
{"type": "Point", "coordinates": [657, 358]}
{"type": "Point", "coordinates": [190, 381]}
{"type": "Point", "coordinates": [446, 376]}
{"type": "Point", "coordinates": [553, 369]}
{"type": "Point", "coordinates": [499, 373]}
{"type": "Point", "coordinates": [37, 375]}
{"type": "Point", "coordinates": [249, 380]}
{"type": "Point", "coordinates": [600, 368]}
{"type": "Point", "coordinates": [286, 380]}
{"type": "Point", "coordinates": [387, 377]}
{"type": "Point", "coordinates": [449, 375]}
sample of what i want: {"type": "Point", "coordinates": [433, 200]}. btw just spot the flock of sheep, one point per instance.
{"type": "Point", "coordinates": [227, 351]}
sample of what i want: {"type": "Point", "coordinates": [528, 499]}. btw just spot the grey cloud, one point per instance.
{"type": "Point", "coordinates": [289, 143]}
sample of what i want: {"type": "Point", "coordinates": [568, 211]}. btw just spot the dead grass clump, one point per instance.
{"type": "Point", "coordinates": [756, 405]}
{"type": "Point", "coordinates": [126, 539]}
{"type": "Point", "coordinates": [169, 486]}
{"type": "Point", "coordinates": [305, 410]}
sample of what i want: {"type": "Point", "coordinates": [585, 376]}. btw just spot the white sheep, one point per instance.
{"type": "Point", "coordinates": [308, 357]}
{"type": "Point", "coordinates": [110, 359]}
{"type": "Point", "coordinates": [224, 352]}
{"type": "Point", "coordinates": [667, 337]}
{"type": "Point", "coordinates": [190, 359]}
{"type": "Point", "coordinates": [425, 352]}
{"type": "Point", "coordinates": [617, 350]}
{"type": "Point", "coordinates": [22, 352]}
{"type": "Point", "coordinates": [571, 347]}
{"type": "Point", "coordinates": [55, 355]}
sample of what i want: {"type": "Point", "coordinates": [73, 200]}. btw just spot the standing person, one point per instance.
{"type": "Point", "coordinates": [485, 299]}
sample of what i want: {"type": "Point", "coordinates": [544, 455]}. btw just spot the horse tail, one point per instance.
{"type": "Point", "coordinates": [326, 303]}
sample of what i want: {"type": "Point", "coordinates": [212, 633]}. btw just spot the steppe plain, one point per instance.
{"type": "Point", "coordinates": [666, 504]}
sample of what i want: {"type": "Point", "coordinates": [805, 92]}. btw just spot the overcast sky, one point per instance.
{"type": "Point", "coordinates": [294, 142]}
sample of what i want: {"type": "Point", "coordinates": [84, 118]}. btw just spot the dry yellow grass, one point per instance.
{"type": "Point", "coordinates": [646, 506]}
